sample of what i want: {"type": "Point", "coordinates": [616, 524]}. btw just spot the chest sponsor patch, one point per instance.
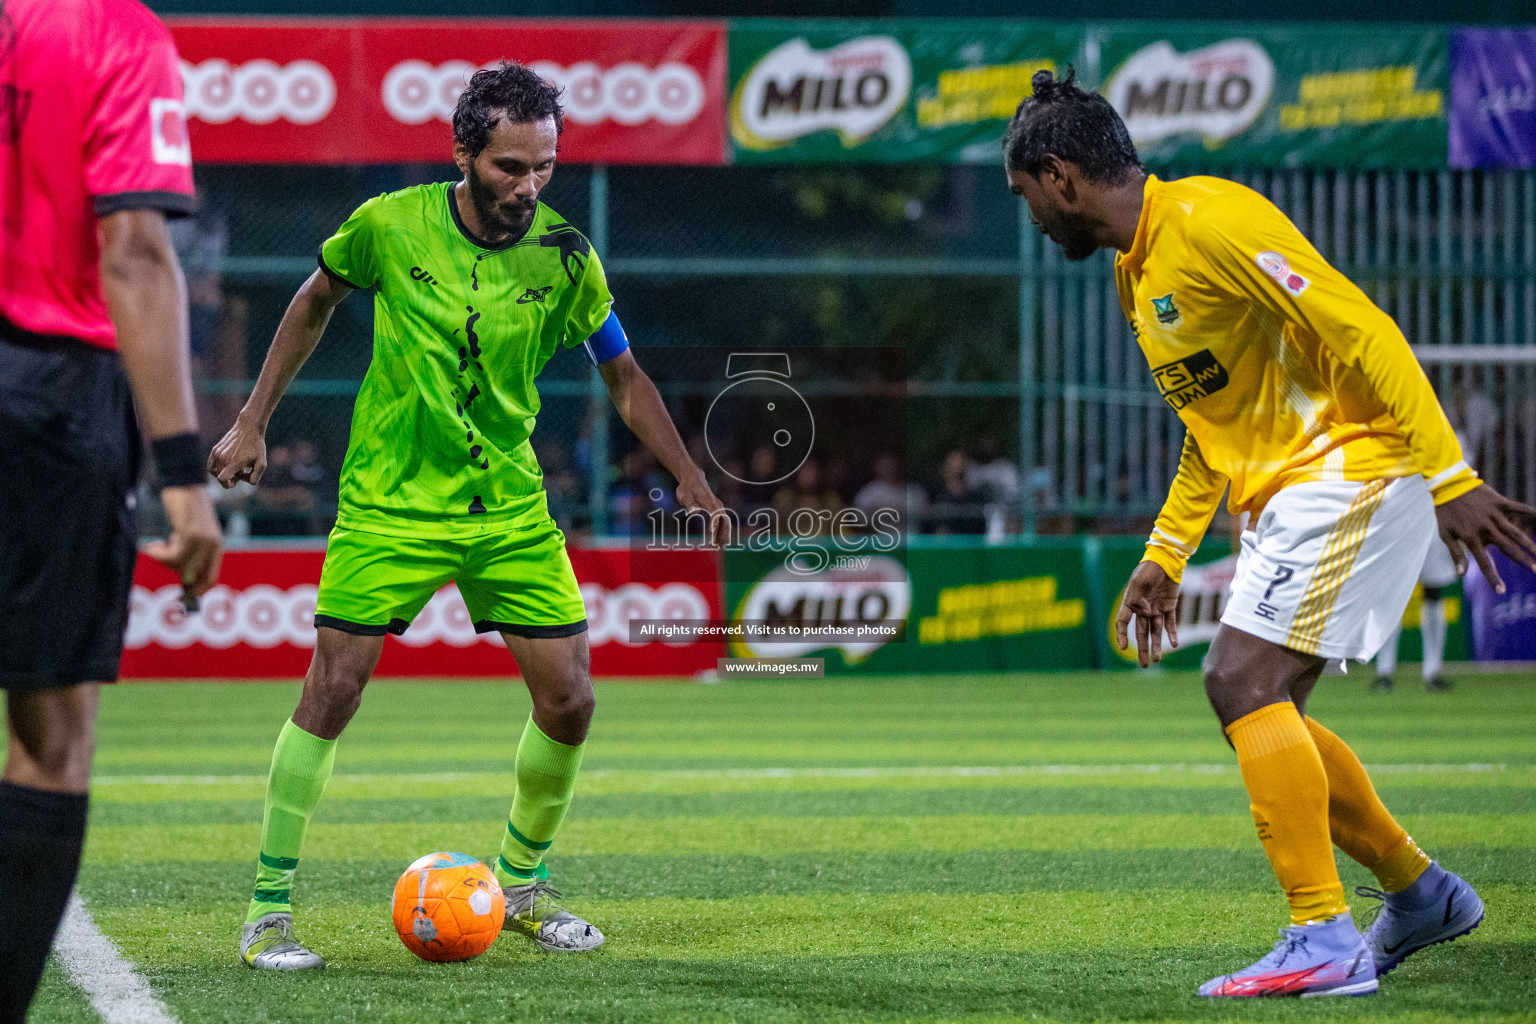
{"type": "Point", "coordinates": [1167, 313]}
{"type": "Point", "coordinates": [1279, 268]}
{"type": "Point", "coordinates": [1193, 377]}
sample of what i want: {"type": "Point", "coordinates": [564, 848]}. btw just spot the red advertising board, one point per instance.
{"type": "Point", "coordinates": [382, 90]}
{"type": "Point", "coordinates": [258, 623]}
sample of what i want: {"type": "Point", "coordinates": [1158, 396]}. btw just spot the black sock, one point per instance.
{"type": "Point", "coordinates": [41, 834]}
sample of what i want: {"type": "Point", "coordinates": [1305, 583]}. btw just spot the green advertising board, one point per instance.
{"type": "Point", "coordinates": [884, 91]}
{"type": "Point", "coordinates": [1279, 96]}
{"type": "Point", "coordinates": [964, 607]}
{"type": "Point", "coordinates": [1211, 95]}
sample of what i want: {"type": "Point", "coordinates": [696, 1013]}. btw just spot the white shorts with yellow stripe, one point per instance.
{"type": "Point", "coordinates": [1329, 567]}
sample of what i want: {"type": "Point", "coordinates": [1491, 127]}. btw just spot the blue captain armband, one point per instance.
{"type": "Point", "coordinates": [607, 342]}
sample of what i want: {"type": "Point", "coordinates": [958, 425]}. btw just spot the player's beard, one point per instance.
{"type": "Point", "coordinates": [1074, 233]}
{"type": "Point", "coordinates": [498, 219]}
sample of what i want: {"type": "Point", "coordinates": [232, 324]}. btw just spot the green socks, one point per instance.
{"type": "Point", "coordinates": [301, 765]}
{"type": "Point", "coordinates": [546, 776]}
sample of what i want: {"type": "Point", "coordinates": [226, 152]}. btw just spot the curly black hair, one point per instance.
{"type": "Point", "coordinates": [512, 91]}
{"type": "Point", "coordinates": [1079, 127]}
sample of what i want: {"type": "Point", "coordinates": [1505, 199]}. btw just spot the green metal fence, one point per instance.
{"type": "Point", "coordinates": [1004, 337]}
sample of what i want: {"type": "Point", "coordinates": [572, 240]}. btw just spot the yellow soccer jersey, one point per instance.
{"type": "Point", "coordinates": [1280, 368]}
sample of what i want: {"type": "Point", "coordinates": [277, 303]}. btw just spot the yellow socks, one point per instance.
{"type": "Point", "coordinates": [1359, 822]}
{"type": "Point", "coordinates": [1288, 793]}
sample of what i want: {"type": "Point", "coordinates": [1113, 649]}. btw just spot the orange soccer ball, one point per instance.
{"type": "Point", "coordinates": [448, 907]}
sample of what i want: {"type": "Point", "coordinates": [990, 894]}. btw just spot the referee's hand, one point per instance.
{"type": "Point", "coordinates": [196, 546]}
{"type": "Point", "coordinates": [1152, 599]}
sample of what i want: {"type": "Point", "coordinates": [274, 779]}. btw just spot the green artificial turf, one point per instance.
{"type": "Point", "coordinates": [960, 848]}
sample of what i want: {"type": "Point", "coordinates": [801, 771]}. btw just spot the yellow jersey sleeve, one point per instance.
{"type": "Point", "coordinates": [1192, 500]}
{"type": "Point", "coordinates": [1249, 246]}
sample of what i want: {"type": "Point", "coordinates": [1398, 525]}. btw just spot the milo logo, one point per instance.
{"type": "Point", "coordinates": [1215, 92]}
{"type": "Point", "coordinates": [854, 610]}
{"type": "Point", "coordinates": [794, 90]}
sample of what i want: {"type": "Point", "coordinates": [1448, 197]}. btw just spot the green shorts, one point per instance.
{"type": "Point", "coordinates": [513, 581]}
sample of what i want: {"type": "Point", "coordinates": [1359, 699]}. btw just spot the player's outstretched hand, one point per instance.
{"type": "Point", "coordinates": [195, 547]}
{"type": "Point", "coordinates": [693, 494]}
{"type": "Point", "coordinates": [1152, 599]}
{"type": "Point", "coordinates": [1484, 517]}
{"type": "Point", "coordinates": [240, 454]}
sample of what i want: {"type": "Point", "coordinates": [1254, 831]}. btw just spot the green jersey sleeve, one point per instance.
{"type": "Point", "coordinates": [592, 304]}
{"type": "Point", "coordinates": [352, 253]}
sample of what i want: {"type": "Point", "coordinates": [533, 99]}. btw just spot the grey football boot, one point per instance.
{"type": "Point", "coordinates": [267, 943]}
{"type": "Point", "coordinates": [533, 910]}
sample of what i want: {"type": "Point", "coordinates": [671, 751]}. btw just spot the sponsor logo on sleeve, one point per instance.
{"type": "Point", "coordinates": [1216, 91]}
{"type": "Point", "coordinates": [168, 133]}
{"type": "Point", "coordinates": [793, 90]}
{"type": "Point", "coordinates": [1279, 268]}
{"type": "Point", "coordinates": [1186, 380]}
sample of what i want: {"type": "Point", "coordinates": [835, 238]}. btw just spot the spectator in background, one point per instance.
{"type": "Point", "coordinates": [809, 491]}
{"type": "Point", "coordinates": [1476, 420]}
{"type": "Point", "coordinates": [202, 242]}
{"type": "Point", "coordinates": [216, 321]}
{"type": "Point", "coordinates": [891, 490]}
{"type": "Point", "coordinates": [283, 504]}
{"type": "Point", "coordinates": [992, 474]}
{"type": "Point", "coordinates": [640, 489]}
{"type": "Point", "coordinates": [834, 477]}
{"type": "Point", "coordinates": [998, 479]}
{"type": "Point", "coordinates": [958, 507]}
{"type": "Point", "coordinates": [733, 489]}
{"type": "Point", "coordinates": [760, 487]}
{"type": "Point", "coordinates": [232, 507]}
{"type": "Point", "coordinates": [561, 486]}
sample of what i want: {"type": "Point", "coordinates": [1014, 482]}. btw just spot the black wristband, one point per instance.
{"type": "Point", "coordinates": [179, 459]}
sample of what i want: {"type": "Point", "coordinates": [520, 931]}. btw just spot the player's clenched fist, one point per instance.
{"type": "Point", "coordinates": [1152, 599]}
{"type": "Point", "coordinates": [240, 455]}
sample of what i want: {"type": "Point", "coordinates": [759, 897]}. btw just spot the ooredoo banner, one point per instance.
{"type": "Point", "coordinates": [338, 91]}
{"type": "Point", "coordinates": [258, 623]}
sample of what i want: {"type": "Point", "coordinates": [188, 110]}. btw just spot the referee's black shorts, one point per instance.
{"type": "Point", "coordinates": [69, 460]}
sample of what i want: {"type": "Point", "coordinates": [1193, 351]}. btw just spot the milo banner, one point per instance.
{"type": "Point", "coordinates": [884, 91]}
{"type": "Point", "coordinates": [1261, 96]}
{"type": "Point", "coordinates": [960, 607]}
{"type": "Point", "coordinates": [1218, 95]}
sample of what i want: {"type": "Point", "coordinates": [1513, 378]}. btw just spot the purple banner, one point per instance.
{"type": "Point", "coordinates": [1503, 625]}
{"type": "Point", "coordinates": [1493, 98]}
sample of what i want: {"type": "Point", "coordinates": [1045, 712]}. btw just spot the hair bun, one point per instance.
{"type": "Point", "coordinates": [1047, 87]}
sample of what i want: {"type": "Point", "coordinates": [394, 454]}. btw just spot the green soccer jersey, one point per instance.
{"type": "Point", "coordinates": [440, 432]}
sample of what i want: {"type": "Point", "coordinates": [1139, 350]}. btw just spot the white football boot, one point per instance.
{"type": "Point", "coordinates": [267, 943]}
{"type": "Point", "coordinates": [532, 909]}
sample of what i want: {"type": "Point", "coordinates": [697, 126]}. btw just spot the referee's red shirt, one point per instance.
{"type": "Point", "coordinates": [91, 123]}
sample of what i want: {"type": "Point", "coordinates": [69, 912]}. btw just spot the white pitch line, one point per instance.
{"type": "Point", "coordinates": [119, 994]}
{"type": "Point", "coordinates": [916, 771]}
